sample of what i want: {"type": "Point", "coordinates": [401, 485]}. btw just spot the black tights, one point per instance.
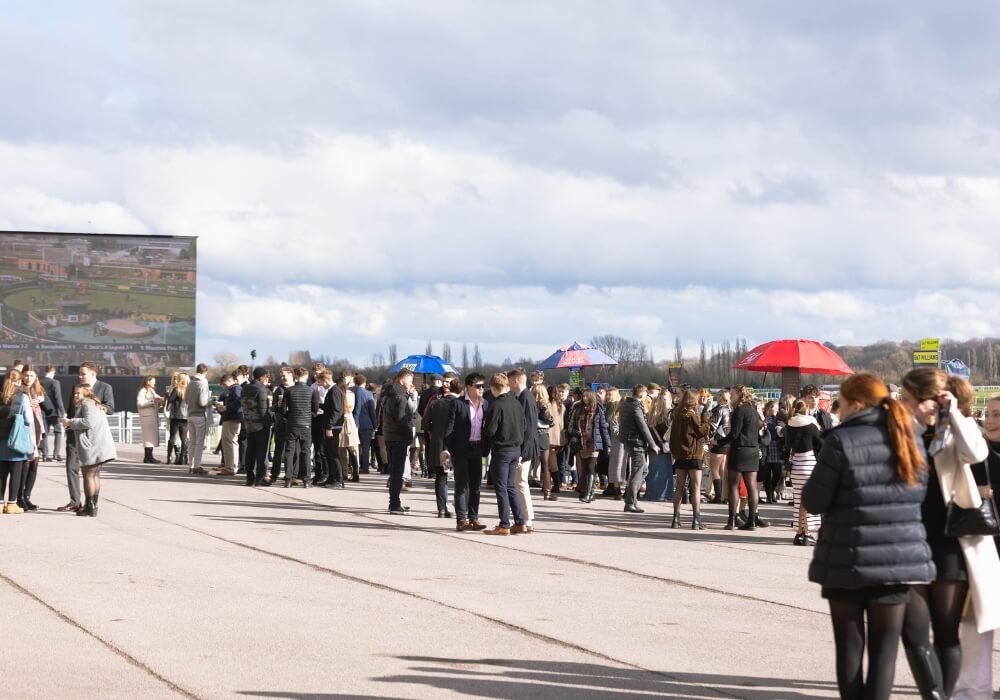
{"type": "Point", "coordinates": [773, 475]}
{"type": "Point", "coordinates": [938, 606]}
{"type": "Point", "coordinates": [11, 470]}
{"type": "Point", "coordinates": [753, 495]}
{"type": "Point", "coordinates": [885, 622]}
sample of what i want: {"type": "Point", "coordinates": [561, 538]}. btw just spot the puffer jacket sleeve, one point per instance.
{"type": "Point", "coordinates": [819, 491]}
{"type": "Point", "coordinates": [602, 428]}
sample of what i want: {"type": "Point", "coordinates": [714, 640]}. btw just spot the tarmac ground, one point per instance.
{"type": "Point", "coordinates": [202, 587]}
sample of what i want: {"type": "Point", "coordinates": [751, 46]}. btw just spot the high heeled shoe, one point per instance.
{"type": "Point", "coordinates": [676, 522]}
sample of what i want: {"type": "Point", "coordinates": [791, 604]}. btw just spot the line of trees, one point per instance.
{"type": "Point", "coordinates": [712, 368]}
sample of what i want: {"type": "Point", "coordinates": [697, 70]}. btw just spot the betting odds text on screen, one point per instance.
{"type": "Point", "coordinates": [125, 302]}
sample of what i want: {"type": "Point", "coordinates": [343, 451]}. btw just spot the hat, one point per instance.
{"type": "Point", "coordinates": [653, 386]}
{"type": "Point", "coordinates": [437, 378]}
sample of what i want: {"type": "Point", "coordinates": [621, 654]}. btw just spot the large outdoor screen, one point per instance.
{"type": "Point", "coordinates": [124, 302]}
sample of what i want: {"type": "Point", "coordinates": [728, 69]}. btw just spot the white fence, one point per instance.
{"type": "Point", "coordinates": [125, 429]}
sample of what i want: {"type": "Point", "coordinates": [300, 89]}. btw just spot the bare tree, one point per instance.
{"type": "Point", "coordinates": [226, 361]}
{"type": "Point", "coordinates": [446, 352]}
{"type": "Point", "coordinates": [678, 349]}
{"type": "Point", "coordinates": [477, 358]}
{"type": "Point", "coordinates": [300, 358]}
{"type": "Point", "coordinates": [393, 354]}
{"type": "Point", "coordinates": [429, 350]}
{"type": "Point", "coordinates": [465, 356]}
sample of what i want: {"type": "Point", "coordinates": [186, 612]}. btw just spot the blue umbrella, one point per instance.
{"type": "Point", "coordinates": [576, 355]}
{"type": "Point", "coordinates": [423, 364]}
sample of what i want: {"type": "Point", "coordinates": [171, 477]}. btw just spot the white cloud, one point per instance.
{"type": "Point", "coordinates": [364, 173]}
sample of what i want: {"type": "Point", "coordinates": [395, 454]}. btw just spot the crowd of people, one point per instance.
{"type": "Point", "coordinates": [33, 415]}
{"type": "Point", "coordinates": [892, 486]}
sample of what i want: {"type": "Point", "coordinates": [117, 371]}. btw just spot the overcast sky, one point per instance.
{"type": "Point", "coordinates": [523, 174]}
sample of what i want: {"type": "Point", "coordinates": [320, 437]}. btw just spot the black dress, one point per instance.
{"type": "Point", "coordinates": [946, 551]}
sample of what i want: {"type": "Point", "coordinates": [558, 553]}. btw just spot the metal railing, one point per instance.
{"type": "Point", "coordinates": [125, 429]}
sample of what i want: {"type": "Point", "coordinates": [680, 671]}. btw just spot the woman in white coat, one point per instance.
{"type": "Point", "coordinates": [975, 681]}
{"type": "Point", "coordinates": [149, 403]}
{"type": "Point", "coordinates": [965, 565]}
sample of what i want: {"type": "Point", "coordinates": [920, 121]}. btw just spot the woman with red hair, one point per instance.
{"type": "Point", "coordinates": [869, 482]}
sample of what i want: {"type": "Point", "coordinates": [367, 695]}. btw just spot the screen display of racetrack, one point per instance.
{"type": "Point", "coordinates": [124, 302]}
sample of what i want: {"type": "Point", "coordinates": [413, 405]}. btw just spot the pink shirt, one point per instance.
{"type": "Point", "coordinates": [476, 432]}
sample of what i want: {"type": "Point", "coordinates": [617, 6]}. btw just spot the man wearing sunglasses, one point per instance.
{"type": "Point", "coordinates": [463, 443]}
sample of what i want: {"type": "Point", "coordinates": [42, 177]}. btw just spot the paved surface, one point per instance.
{"type": "Point", "coordinates": [201, 587]}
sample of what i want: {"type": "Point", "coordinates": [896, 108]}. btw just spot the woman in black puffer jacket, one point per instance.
{"type": "Point", "coordinates": [868, 483]}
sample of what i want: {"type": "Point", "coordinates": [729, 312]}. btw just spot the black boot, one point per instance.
{"type": "Point", "coordinates": [676, 522]}
{"type": "Point", "coordinates": [696, 522]}
{"type": "Point", "coordinates": [183, 458]}
{"type": "Point", "coordinates": [170, 451]}
{"type": "Point", "coordinates": [731, 523]}
{"type": "Point", "coordinates": [149, 459]}
{"type": "Point", "coordinates": [926, 672]}
{"type": "Point", "coordinates": [950, 659]}
{"type": "Point", "coordinates": [717, 486]}
{"type": "Point", "coordinates": [93, 504]}
{"type": "Point", "coordinates": [89, 507]}
{"type": "Point", "coordinates": [751, 522]}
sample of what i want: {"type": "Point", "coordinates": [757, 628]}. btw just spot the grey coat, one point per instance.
{"type": "Point", "coordinates": [94, 444]}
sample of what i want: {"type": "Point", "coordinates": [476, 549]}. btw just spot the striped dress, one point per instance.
{"type": "Point", "coordinates": [802, 467]}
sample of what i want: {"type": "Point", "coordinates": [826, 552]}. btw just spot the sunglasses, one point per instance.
{"type": "Point", "coordinates": [478, 386]}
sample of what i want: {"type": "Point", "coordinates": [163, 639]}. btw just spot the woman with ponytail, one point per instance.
{"type": "Point", "coordinates": [868, 483]}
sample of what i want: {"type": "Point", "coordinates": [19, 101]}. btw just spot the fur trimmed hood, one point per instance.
{"type": "Point", "coordinates": [802, 421]}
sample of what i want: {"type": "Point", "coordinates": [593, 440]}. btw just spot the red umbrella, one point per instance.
{"type": "Point", "coordinates": [807, 356]}
{"type": "Point", "coordinates": [792, 357]}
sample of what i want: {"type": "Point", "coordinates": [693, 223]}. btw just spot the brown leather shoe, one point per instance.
{"type": "Point", "coordinates": [68, 508]}
{"type": "Point", "coordinates": [497, 531]}
{"type": "Point", "coordinates": [519, 529]}
{"type": "Point", "coordinates": [463, 525]}
{"type": "Point", "coordinates": [476, 525]}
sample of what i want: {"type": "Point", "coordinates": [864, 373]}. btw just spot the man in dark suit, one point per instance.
{"type": "Point", "coordinates": [104, 394]}
{"type": "Point", "coordinates": [435, 421]}
{"type": "Point", "coordinates": [333, 426]}
{"type": "Point", "coordinates": [55, 410]}
{"type": "Point", "coordinates": [465, 446]}
{"type": "Point", "coordinates": [530, 448]}
{"type": "Point", "coordinates": [300, 404]}
{"type": "Point", "coordinates": [810, 395]}
{"type": "Point", "coordinates": [365, 418]}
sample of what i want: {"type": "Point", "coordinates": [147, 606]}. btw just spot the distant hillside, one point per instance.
{"type": "Point", "coordinates": [891, 360]}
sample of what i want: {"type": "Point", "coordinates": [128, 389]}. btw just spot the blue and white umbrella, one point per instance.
{"type": "Point", "coordinates": [423, 364]}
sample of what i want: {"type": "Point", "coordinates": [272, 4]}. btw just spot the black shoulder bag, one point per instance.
{"type": "Point", "coordinates": [959, 522]}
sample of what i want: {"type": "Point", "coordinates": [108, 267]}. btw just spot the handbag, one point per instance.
{"type": "Point", "coordinates": [19, 440]}
{"type": "Point", "coordinates": [959, 522]}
